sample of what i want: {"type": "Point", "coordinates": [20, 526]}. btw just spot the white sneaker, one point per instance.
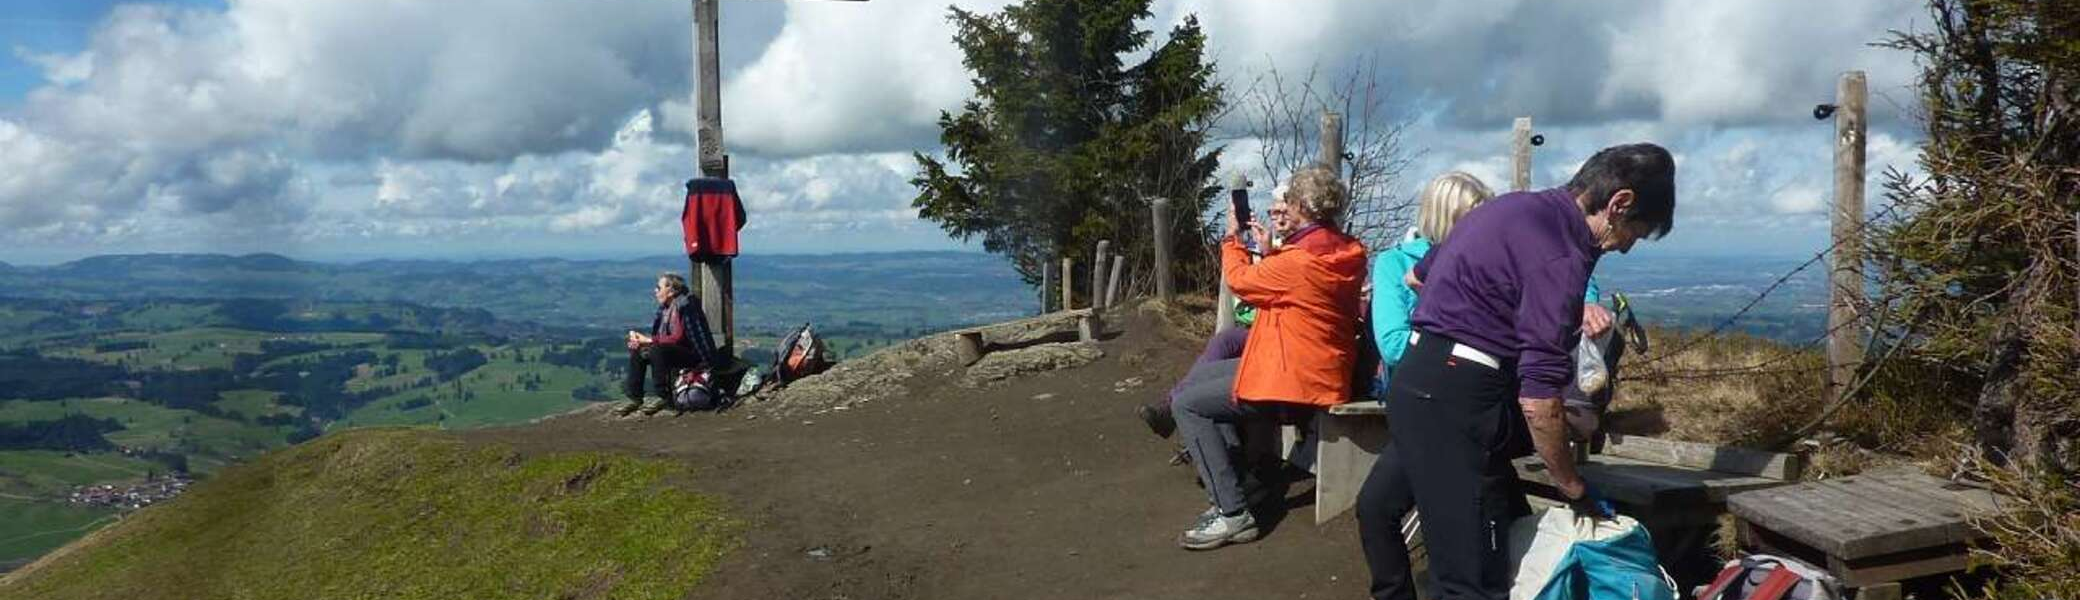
{"type": "Point", "coordinates": [1218, 531]}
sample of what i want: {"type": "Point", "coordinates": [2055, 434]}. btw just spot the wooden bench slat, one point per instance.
{"type": "Point", "coordinates": [1866, 515]}
{"type": "Point", "coordinates": [1358, 408]}
{"type": "Point", "coordinates": [1710, 457]}
{"type": "Point", "coordinates": [1646, 483]}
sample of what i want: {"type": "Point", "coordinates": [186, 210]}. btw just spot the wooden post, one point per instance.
{"type": "Point", "coordinates": [968, 345]}
{"type": "Point", "coordinates": [1068, 266]}
{"type": "Point", "coordinates": [1046, 285]}
{"type": "Point", "coordinates": [718, 300]}
{"type": "Point", "coordinates": [1520, 154]}
{"type": "Point", "coordinates": [1119, 263]}
{"type": "Point", "coordinates": [713, 279]}
{"type": "Point", "coordinates": [1332, 143]}
{"type": "Point", "coordinates": [708, 76]}
{"type": "Point", "coordinates": [1098, 274]}
{"type": "Point", "coordinates": [1159, 215]}
{"type": "Point", "coordinates": [1844, 345]}
{"type": "Point", "coordinates": [1224, 300]}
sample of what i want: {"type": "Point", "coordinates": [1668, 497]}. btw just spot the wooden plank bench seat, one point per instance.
{"type": "Point", "coordinates": [970, 345]}
{"type": "Point", "coordinates": [1679, 487]}
{"type": "Point", "coordinates": [1869, 530]}
{"type": "Point", "coordinates": [1669, 483]}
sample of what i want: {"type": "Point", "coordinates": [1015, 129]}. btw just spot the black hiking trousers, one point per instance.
{"type": "Point", "coordinates": [1453, 426]}
{"type": "Point", "coordinates": [662, 362]}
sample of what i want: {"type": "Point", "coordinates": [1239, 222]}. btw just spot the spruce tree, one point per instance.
{"type": "Point", "coordinates": [1065, 142]}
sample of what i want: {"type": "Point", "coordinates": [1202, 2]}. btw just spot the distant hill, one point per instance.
{"type": "Point", "coordinates": [886, 295]}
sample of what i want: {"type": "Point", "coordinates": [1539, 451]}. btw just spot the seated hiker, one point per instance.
{"type": "Point", "coordinates": [1440, 204]}
{"type": "Point", "coordinates": [1222, 345]}
{"type": "Point", "coordinates": [678, 340]}
{"type": "Point", "coordinates": [1299, 353]}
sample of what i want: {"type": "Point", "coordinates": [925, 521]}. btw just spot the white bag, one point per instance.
{"type": "Point", "coordinates": [1615, 557]}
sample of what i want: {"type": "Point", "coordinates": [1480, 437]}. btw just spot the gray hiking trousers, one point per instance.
{"type": "Point", "coordinates": [1208, 418]}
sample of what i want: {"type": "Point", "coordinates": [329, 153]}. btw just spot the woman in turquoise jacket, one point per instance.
{"type": "Point", "coordinates": [1442, 202]}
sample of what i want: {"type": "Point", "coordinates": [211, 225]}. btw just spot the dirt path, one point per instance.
{"type": "Point", "coordinates": [1005, 492]}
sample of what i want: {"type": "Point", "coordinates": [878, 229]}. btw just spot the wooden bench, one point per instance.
{"type": "Point", "coordinates": [1348, 439]}
{"type": "Point", "coordinates": [970, 346]}
{"type": "Point", "coordinates": [1870, 530]}
{"type": "Point", "coordinates": [1677, 490]}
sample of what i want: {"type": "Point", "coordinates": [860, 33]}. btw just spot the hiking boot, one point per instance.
{"type": "Point", "coordinates": [653, 405]}
{"type": "Point", "coordinates": [1158, 419]}
{"type": "Point", "coordinates": [1220, 531]}
{"type": "Point", "coordinates": [628, 408]}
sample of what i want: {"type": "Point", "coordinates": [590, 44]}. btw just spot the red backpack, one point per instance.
{"type": "Point", "coordinates": [1765, 577]}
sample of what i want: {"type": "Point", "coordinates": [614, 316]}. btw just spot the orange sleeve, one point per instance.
{"type": "Point", "coordinates": [1264, 283]}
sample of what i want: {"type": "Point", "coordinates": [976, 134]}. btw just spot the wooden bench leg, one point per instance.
{"type": "Point", "coordinates": [1088, 327]}
{"type": "Point", "coordinates": [1345, 449]}
{"type": "Point", "coordinates": [1882, 591]}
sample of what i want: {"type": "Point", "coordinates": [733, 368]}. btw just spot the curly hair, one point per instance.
{"type": "Point", "coordinates": [1318, 194]}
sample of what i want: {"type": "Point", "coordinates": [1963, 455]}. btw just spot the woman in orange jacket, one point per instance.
{"type": "Point", "coordinates": [1300, 351]}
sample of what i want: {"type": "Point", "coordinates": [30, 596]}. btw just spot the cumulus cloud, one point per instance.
{"type": "Point", "coordinates": [342, 119]}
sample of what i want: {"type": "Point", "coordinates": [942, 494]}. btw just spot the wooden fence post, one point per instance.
{"type": "Point", "coordinates": [1119, 263]}
{"type": "Point", "coordinates": [1520, 154]}
{"type": "Point", "coordinates": [1098, 274]}
{"type": "Point", "coordinates": [1068, 266]}
{"type": "Point", "coordinates": [1046, 286]}
{"type": "Point", "coordinates": [1844, 346]}
{"type": "Point", "coordinates": [1159, 215]}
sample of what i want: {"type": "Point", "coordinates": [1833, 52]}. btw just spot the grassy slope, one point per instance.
{"type": "Point", "coordinates": [29, 529]}
{"type": "Point", "coordinates": [389, 513]}
{"type": "Point", "coordinates": [50, 473]}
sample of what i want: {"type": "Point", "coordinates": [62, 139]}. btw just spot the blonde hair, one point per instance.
{"type": "Point", "coordinates": [1316, 191]}
{"type": "Point", "coordinates": [1444, 200]}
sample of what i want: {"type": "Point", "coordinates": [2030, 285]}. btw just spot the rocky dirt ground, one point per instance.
{"type": "Point", "coordinates": [905, 475]}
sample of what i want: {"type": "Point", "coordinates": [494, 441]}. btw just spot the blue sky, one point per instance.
{"type": "Point", "coordinates": [340, 129]}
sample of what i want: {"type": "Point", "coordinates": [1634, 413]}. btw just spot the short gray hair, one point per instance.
{"type": "Point", "coordinates": [1444, 200]}
{"type": "Point", "coordinates": [1315, 190]}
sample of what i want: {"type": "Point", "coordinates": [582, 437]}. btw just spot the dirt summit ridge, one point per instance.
{"type": "Point", "coordinates": [902, 474]}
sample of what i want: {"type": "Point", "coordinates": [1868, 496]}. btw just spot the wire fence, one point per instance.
{"type": "Point", "coordinates": [1653, 367]}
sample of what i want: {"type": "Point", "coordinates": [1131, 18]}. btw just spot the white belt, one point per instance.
{"type": "Point", "coordinates": [1463, 351]}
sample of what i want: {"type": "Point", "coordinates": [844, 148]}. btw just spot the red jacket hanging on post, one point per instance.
{"type": "Point", "coordinates": [711, 218]}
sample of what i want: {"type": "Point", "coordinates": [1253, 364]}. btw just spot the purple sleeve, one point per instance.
{"type": "Point", "coordinates": [1549, 318]}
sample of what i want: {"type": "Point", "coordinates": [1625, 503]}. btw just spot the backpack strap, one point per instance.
{"type": "Point", "coordinates": [1725, 578]}
{"type": "Point", "coordinates": [1780, 580]}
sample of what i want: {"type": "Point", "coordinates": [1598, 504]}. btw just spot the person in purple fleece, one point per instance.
{"type": "Point", "coordinates": [1479, 383]}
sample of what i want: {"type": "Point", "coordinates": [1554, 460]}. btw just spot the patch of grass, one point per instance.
{"type": "Point", "coordinates": [1704, 395]}
{"type": "Point", "coordinates": [387, 513]}
{"type": "Point", "coordinates": [51, 473]}
{"type": "Point", "coordinates": [210, 442]}
{"type": "Point", "coordinates": [254, 403]}
{"type": "Point", "coordinates": [29, 529]}
{"type": "Point", "coordinates": [493, 394]}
